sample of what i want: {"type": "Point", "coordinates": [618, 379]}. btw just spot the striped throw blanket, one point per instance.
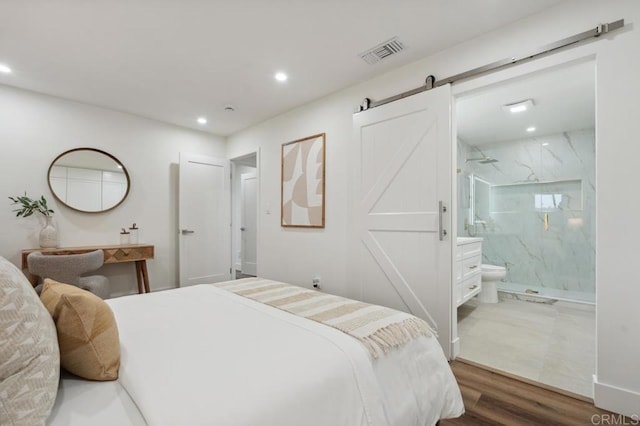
{"type": "Point", "coordinates": [379, 329]}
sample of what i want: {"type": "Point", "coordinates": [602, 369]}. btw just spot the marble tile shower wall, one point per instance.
{"type": "Point", "coordinates": [552, 175]}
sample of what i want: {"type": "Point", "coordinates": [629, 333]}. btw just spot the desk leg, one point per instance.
{"type": "Point", "coordinates": [139, 276]}
{"type": "Point", "coordinates": [33, 279]}
{"type": "Point", "coordinates": [145, 275]}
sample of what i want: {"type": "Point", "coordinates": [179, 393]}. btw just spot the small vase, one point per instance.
{"type": "Point", "coordinates": [48, 234]}
{"type": "Point", "coordinates": [133, 235]}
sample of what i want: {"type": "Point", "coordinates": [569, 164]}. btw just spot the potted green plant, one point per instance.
{"type": "Point", "coordinates": [27, 206]}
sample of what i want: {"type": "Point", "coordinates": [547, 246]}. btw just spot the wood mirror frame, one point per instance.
{"type": "Point", "coordinates": [100, 172]}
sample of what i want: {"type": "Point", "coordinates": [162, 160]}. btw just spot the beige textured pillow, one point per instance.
{"type": "Point", "coordinates": [29, 359]}
{"type": "Point", "coordinates": [87, 331]}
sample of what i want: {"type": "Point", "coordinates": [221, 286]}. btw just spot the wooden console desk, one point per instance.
{"type": "Point", "coordinates": [138, 253]}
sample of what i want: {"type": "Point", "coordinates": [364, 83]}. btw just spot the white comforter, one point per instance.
{"type": "Point", "coordinates": [203, 356]}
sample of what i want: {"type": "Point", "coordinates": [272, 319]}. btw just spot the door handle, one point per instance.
{"type": "Point", "coordinates": [442, 209]}
{"type": "Point", "coordinates": [187, 231]}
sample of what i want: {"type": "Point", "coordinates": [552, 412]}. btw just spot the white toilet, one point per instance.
{"type": "Point", "coordinates": [491, 274]}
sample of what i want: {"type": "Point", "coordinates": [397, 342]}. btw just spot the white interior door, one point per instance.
{"type": "Point", "coordinates": [402, 174]}
{"type": "Point", "coordinates": [205, 220]}
{"type": "Point", "coordinates": [249, 225]}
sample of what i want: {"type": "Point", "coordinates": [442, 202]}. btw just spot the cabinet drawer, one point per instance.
{"type": "Point", "coordinates": [471, 250]}
{"type": "Point", "coordinates": [127, 254]}
{"type": "Point", "coordinates": [471, 287]}
{"type": "Point", "coordinates": [471, 266]}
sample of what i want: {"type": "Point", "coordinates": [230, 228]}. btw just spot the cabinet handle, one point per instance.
{"type": "Point", "coordinates": [473, 266]}
{"type": "Point", "coordinates": [473, 287]}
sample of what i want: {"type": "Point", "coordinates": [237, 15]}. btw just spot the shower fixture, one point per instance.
{"type": "Point", "coordinates": [482, 160]}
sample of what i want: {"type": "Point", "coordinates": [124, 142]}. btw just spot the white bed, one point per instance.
{"type": "Point", "coordinates": [204, 356]}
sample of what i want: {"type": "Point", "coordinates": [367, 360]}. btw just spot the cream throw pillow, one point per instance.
{"type": "Point", "coordinates": [29, 358]}
{"type": "Point", "coordinates": [87, 331]}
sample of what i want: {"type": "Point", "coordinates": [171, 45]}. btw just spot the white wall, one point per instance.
{"type": "Point", "coordinates": [35, 128]}
{"type": "Point", "coordinates": [297, 255]}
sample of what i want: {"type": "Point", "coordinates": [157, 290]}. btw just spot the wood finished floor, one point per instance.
{"type": "Point", "coordinates": [494, 399]}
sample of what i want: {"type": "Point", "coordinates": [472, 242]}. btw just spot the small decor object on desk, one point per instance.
{"type": "Point", "coordinates": [133, 234]}
{"type": "Point", "coordinates": [124, 237]}
{"type": "Point", "coordinates": [49, 234]}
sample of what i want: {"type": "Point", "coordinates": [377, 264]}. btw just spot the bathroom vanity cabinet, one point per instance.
{"type": "Point", "coordinates": [467, 269]}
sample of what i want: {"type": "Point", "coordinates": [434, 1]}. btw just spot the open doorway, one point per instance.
{"type": "Point", "coordinates": [244, 215]}
{"type": "Point", "coordinates": [526, 200]}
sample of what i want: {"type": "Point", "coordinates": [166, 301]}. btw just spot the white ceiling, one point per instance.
{"type": "Point", "coordinates": [564, 99]}
{"type": "Point", "coordinates": [176, 60]}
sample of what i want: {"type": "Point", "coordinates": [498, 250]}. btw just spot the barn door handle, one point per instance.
{"type": "Point", "coordinates": [442, 209]}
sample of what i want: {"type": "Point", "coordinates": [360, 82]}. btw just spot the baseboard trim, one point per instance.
{"type": "Point", "coordinates": [455, 348]}
{"type": "Point", "coordinates": [616, 399]}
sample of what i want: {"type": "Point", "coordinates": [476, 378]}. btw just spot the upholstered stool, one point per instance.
{"type": "Point", "coordinates": [69, 268]}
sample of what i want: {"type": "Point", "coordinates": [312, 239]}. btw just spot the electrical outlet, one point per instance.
{"type": "Point", "coordinates": [316, 282]}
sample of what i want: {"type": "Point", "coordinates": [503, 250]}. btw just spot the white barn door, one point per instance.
{"type": "Point", "coordinates": [401, 245]}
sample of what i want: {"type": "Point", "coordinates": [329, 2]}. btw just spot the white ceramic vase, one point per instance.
{"type": "Point", "coordinates": [49, 234]}
{"type": "Point", "coordinates": [133, 235]}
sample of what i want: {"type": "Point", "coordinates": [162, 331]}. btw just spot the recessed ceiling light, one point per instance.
{"type": "Point", "coordinates": [531, 129]}
{"type": "Point", "coordinates": [5, 69]}
{"type": "Point", "coordinates": [545, 144]}
{"type": "Point", "coordinates": [202, 120]}
{"type": "Point", "coordinates": [280, 76]}
{"type": "Point", "coordinates": [518, 106]}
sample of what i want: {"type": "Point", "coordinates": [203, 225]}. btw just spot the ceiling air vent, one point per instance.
{"type": "Point", "coordinates": [382, 51]}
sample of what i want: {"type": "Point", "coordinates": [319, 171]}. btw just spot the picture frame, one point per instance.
{"type": "Point", "coordinates": [302, 183]}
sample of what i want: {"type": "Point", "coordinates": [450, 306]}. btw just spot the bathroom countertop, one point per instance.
{"type": "Point", "coordinates": [467, 240]}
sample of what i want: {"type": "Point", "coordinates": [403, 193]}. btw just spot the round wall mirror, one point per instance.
{"type": "Point", "coordinates": [88, 180]}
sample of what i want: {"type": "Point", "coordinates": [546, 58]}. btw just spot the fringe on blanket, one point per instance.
{"type": "Point", "coordinates": [395, 335]}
